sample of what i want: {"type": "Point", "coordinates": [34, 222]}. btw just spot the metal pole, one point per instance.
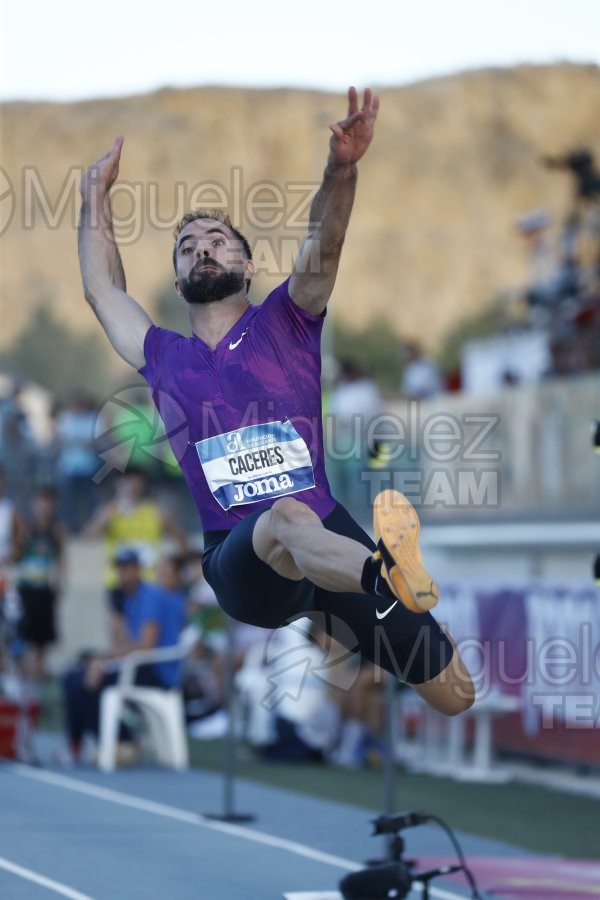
{"type": "Point", "coordinates": [228, 814]}
{"type": "Point", "coordinates": [229, 746]}
{"type": "Point", "coordinates": [389, 767]}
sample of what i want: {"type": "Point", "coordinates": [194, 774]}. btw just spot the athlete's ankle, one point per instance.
{"type": "Point", "coordinates": [371, 580]}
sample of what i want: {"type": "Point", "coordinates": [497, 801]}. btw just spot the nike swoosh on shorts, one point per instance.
{"type": "Point", "coordinates": [382, 615]}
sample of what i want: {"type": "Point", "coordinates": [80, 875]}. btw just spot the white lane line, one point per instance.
{"type": "Point", "coordinates": [182, 815]}
{"type": "Point", "coordinates": [29, 875]}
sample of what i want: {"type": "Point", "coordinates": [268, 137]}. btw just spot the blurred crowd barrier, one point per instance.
{"type": "Point", "coordinates": [538, 642]}
{"type": "Point", "coordinates": [523, 452]}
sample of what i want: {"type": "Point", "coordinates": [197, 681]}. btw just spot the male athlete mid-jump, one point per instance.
{"type": "Point", "coordinates": [277, 544]}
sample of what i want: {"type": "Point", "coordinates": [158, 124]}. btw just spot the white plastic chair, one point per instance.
{"type": "Point", "coordinates": [163, 710]}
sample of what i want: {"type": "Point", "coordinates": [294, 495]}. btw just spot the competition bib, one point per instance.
{"type": "Point", "coordinates": [258, 462]}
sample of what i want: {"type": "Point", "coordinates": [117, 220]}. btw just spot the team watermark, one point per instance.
{"type": "Point", "coordinates": [276, 214]}
{"type": "Point", "coordinates": [130, 430]}
{"type": "Point", "coordinates": [556, 681]}
{"type": "Point", "coordinates": [312, 653]}
{"type": "Point", "coordinates": [437, 460]}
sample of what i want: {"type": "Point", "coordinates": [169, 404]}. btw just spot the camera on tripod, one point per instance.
{"type": "Point", "coordinates": [394, 878]}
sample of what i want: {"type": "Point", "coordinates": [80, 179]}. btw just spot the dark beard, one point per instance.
{"type": "Point", "coordinates": [209, 285]}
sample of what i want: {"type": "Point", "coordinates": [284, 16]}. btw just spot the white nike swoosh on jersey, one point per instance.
{"type": "Point", "coordinates": [233, 344]}
{"type": "Point", "coordinates": [388, 610]}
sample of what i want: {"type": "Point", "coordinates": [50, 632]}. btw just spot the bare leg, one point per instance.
{"type": "Point", "coordinates": [39, 664]}
{"type": "Point", "coordinates": [452, 691]}
{"type": "Point", "coordinates": [292, 540]}
{"type": "Point", "coordinates": [364, 701]}
{"type": "Point", "coordinates": [34, 664]}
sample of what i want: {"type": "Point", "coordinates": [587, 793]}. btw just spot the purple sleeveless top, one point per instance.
{"type": "Point", "coordinates": [244, 420]}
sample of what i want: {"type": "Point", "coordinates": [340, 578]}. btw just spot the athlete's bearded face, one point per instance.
{"type": "Point", "coordinates": [210, 263]}
{"type": "Point", "coordinates": [209, 282]}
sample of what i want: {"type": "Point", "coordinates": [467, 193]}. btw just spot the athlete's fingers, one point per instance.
{"type": "Point", "coordinates": [346, 124]}
{"type": "Point", "coordinates": [352, 101]}
{"type": "Point", "coordinates": [117, 145]}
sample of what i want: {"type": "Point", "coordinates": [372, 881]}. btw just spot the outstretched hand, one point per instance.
{"type": "Point", "coordinates": [102, 174]}
{"type": "Point", "coordinates": [351, 137]}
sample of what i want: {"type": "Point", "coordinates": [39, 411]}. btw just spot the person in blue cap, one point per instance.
{"type": "Point", "coordinates": [152, 618]}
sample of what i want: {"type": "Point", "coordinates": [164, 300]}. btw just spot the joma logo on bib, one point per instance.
{"type": "Point", "coordinates": [253, 490]}
{"type": "Point", "coordinates": [254, 463]}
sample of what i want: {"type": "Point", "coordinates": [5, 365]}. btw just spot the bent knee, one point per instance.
{"type": "Point", "coordinates": [451, 692]}
{"type": "Point", "coordinates": [450, 702]}
{"type": "Point", "coordinates": [287, 511]}
{"type": "Point", "coordinates": [269, 538]}
{"type": "Point", "coordinates": [457, 701]}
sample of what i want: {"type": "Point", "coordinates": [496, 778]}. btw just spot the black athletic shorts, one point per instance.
{"type": "Point", "coordinates": [410, 645]}
{"type": "Point", "coordinates": [38, 621]}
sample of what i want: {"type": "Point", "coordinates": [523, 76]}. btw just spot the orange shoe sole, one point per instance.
{"type": "Point", "coordinates": [396, 526]}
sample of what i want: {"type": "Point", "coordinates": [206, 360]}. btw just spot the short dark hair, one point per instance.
{"type": "Point", "coordinates": [218, 216]}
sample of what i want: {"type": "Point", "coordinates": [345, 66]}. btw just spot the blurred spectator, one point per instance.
{"type": "Point", "coordinates": [560, 293]}
{"type": "Point", "coordinates": [11, 541]}
{"type": "Point", "coordinates": [39, 580]}
{"type": "Point", "coordinates": [572, 316]}
{"type": "Point", "coordinates": [201, 597]}
{"type": "Point", "coordinates": [204, 671]}
{"type": "Point", "coordinates": [553, 277]}
{"type": "Point", "coordinates": [133, 520]}
{"type": "Point", "coordinates": [17, 447]}
{"type": "Point", "coordinates": [76, 461]}
{"type": "Point", "coordinates": [47, 450]}
{"type": "Point", "coordinates": [421, 377]}
{"type": "Point", "coordinates": [541, 263]}
{"type": "Point", "coordinates": [290, 715]}
{"type": "Point", "coordinates": [152, 617]}
{"type": "Point", "coordinates": [354, 402]}
{"type": "Point", "coordinates": [174, 611]}
{"type": "Point", "coordinates": [569, 270]}
{"type": "Point", "coordinates": [361, 709]}
{"type": "Point", "coordinates": [13, 421]}
{"type": "Point", "coordinates": [202, 605]}
{"type": "Point", "coordinates": [11, 526]}
{"type": "Point", "coordinates": [581, 164]}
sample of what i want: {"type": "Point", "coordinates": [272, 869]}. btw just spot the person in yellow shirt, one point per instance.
{"type": "Point", "coordinates": [134, 521]}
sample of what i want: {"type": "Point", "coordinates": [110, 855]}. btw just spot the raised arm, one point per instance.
{"type": "Point", "coordinates": [316, 265]}
{"type": "Point", "coordinates": [172, 529]}
{"type": "Point", "coordinates": [124, 320]}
